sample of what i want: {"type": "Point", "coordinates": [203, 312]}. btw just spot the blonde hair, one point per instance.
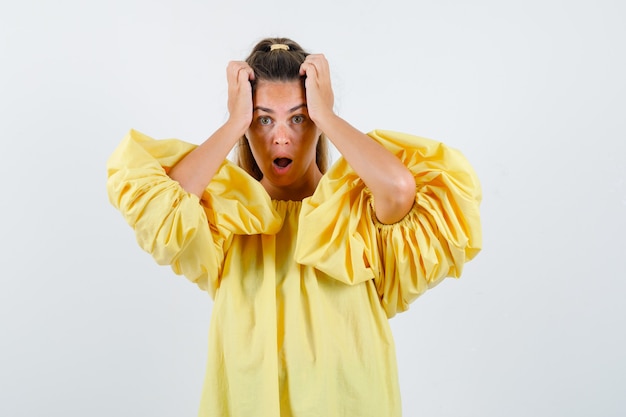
{"type": "Point", "coordinates": [276, 63]}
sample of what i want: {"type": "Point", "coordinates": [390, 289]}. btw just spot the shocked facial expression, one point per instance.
{"type": "Point", "coordinates": [283, 140]}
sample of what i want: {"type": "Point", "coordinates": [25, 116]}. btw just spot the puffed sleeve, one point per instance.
{"type": "Point", "coordinates": [174, 226]}
{"type": "Point", "coordinates": [340, 235]}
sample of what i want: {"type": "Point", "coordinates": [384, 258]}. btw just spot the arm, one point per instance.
{"type": "Point", "coordinates": [390, 182]}
{"type": "Point", "coordinates": [195, 171]}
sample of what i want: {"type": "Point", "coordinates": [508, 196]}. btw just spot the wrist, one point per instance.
{"type": "Point", "coordinates": [237, 125]}
{"type": "Point", "coordinates": [325, 120]}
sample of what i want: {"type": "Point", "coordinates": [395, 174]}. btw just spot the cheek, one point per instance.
{"type": "Point", "coordinates": [315, 136]}
{"type": "Point", "coordinates": [256, 136]}
{"type": "Point", "coordinates": [257, 148]}
{"type": "Point", "coordinates": [313, 139]}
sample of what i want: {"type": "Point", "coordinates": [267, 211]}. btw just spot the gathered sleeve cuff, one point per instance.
{"type": "Point", "coordinates": [340, 235]}
{"type": "Point", "coordinates": [174, 226]}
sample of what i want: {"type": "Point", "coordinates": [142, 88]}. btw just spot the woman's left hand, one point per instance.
{"type": "Point", "coordinates": [390, 182]}
{"type": "Point", "coordinates": [319, 92]}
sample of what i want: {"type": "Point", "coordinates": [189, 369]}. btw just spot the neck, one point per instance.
{"type": "Point", "coordinates": [293, 192]}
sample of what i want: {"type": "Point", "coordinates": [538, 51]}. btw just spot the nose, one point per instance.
{"type": "Point", "coordinates": [281, 135]}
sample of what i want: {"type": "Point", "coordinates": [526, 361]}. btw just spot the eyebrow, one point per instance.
{"type": "Point", "coordinates": [265, 109]}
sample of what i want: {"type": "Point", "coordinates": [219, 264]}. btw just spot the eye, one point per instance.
{"type": "Point", "coordinates": [297, 119]}
{"type": "Point", "coordinates": [264, 120]}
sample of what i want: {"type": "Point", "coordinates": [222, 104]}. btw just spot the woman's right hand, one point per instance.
{"type": "Point", "coordinates": [239, 74]}
{"type": "Point", "coordinates": [196, 169]}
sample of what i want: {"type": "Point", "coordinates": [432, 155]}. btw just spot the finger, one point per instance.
{"type": "Point", "coordinates": [307, 66]}
{"type": "Point", "coordinates": [245, 74]}
{"type": "Point", "coordinates": [239, 71]}
{"type": "Point", "coordinates": [232, 70]}
{"type": "Point", "coordinates": [318, 62]}
{"type": "Point", "coordinates": [308, 69]}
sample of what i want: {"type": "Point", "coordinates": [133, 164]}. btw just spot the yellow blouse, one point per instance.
{"type": "Point", "coordinates": [302, 290]}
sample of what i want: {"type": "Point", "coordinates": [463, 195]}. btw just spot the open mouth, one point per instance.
{"type": "Point", "coordinates": [282, 162]}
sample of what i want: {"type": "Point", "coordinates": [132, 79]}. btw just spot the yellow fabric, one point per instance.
{"type": "Point", "coordinates": [302, 290]}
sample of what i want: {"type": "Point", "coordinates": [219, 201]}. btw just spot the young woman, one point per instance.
{"type": "Point", "coordinates": [305, 266]}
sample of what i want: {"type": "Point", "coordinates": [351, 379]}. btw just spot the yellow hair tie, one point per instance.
{"type": "Point", "coordinates": [279, 46]}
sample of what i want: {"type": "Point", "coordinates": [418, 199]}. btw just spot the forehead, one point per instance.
{"type": "Point", "coordinates": [279, 95]}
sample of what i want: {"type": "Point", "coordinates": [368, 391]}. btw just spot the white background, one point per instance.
{"type": "Point", "coordinates": [533, 92]}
